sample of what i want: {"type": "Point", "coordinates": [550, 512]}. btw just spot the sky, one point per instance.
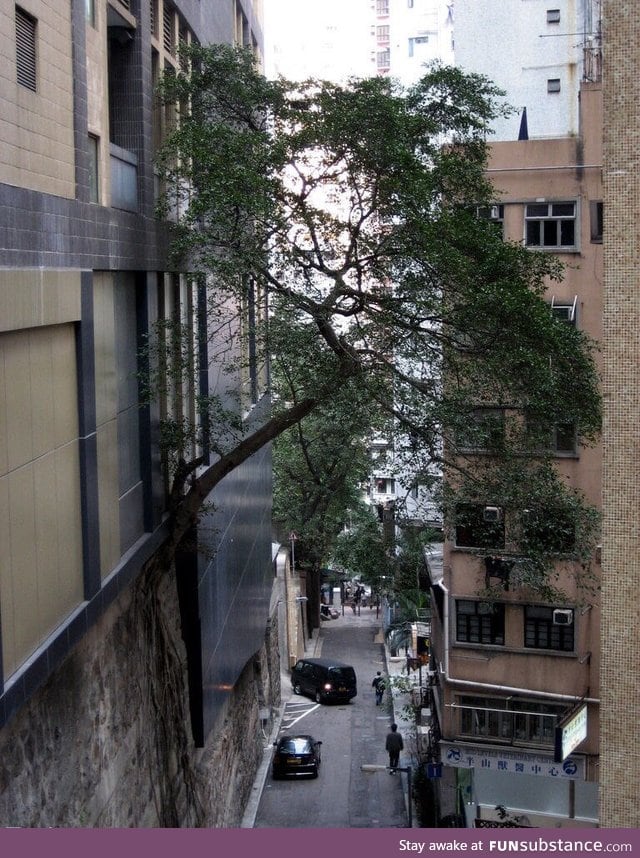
{"type": "Point", "coordinates": [303, 38]}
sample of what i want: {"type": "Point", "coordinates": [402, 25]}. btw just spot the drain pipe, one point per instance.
{"type": "Point", "coordinates": [506, 689]}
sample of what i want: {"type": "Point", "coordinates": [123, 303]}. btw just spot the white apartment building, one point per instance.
{"type": "Point", "coordinates": [534, 50]}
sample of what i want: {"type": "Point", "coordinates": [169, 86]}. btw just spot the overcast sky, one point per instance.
{"type": "Point", "coordinates": [317, 38]}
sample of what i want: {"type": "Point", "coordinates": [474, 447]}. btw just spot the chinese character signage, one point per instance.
{"type": "Point", "coordinates": [496, 759]}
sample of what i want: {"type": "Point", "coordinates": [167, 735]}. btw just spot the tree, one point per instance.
{"type": "Point", "coordinates": [320, 466]}
{"type": "Point", "coordinates": [352, 212]}
{"type": "Point", "coordinates": [361, 550]}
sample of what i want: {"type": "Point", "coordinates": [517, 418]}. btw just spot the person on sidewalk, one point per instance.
{"type": "Point", "coordinates": [393, 746]}
{"type": "Point", "coordinates": [378, 685]}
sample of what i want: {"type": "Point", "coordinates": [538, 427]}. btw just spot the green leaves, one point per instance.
{"type": "Point", "coordinates": [353, 211]}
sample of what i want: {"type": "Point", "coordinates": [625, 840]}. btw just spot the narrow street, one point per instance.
{"type": "Point", "coordinates": [353, 734]}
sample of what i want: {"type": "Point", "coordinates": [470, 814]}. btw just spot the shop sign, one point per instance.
{"type": "Point", "coordinates": [496, 759]}
{"type": "Point", "coordinates": [571, 732]}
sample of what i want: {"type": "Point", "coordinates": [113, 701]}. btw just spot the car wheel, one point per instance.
{"type": "Point", "coordinates": [318, 697]}
{"type": "Point", "coordinates": [315, 774]}
{"type": "Point", "coordinates": [297, 689]}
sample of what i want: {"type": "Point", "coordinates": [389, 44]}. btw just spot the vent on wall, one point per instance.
{"type": "Point", "coordinates": [26, 49]}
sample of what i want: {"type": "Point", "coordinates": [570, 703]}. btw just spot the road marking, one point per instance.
{"type": "Point", "coordinates": [292, 717]}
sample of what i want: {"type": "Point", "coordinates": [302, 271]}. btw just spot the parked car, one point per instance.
{"type": "Point", "coordinates": [324, 679]}
{"type": "Point", "coordinates": [296, 756]}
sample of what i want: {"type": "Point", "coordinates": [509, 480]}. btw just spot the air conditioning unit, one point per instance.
{"type": "Point", "coordinates": [562, 617]}
{"type": "Point", "coordinates": [491, 513]}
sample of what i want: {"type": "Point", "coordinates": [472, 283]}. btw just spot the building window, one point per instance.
{"type": "Point", "coordinates": [550, 225]}
{"type": "Point", "coordinates": [154, 18]}
{"type": "Point", "coordinates": [169, 29]}
{"type": "Point", "coordinates": [26, 49]}
{"type": "Point", "coordinates": [483, 431]}
{"type": "Point", "coordinates": [382, 34]}
{"type": "Point", "coordinates": [383, 59]}
{"type": "Point", "coordinates": [564, 440]}
{"type": "Point", "coordinates": [553, 84]}
{"type": "Point", "coordinates": [417, 40]}
{"type": "Point", "coordinates": [382, 7]}
{"type": "Point", "coordinates": [384, 486]}
{"type": "Point", "coordinates": [512, 721]}
{"type": "Point", "coordinates": [494, 214]}
{"type": "Point", "coordinates": [479, 526]}
{"type": "Point", "coordinates": [548, 628]}
{"type": "Point", "coordinates": [553, 16]}
{"type": "Point", "coordinates": [94, 175]}
{"type": "Point", "coordinates": [548, 531]}
{"type": "Point", "coordinates": [479, 622]}
{"type": "Point", "coordinates": [596, 213]}
{"type": "Point", "coordinates": [565, 311]}
{"type": "Point", "coordinates": [560, 438]}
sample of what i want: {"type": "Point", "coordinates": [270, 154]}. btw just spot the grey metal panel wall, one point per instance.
{"type": "Point", "coordinates": [234, 586]}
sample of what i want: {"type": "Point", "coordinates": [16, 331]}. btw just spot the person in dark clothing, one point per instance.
{"type": "Point", "coordinates": [393, 746]}
{"type": "Point", "coordinates": [378, 685]}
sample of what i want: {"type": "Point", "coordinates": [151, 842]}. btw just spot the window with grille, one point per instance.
{"type": "Point", "coordinates": [26, 49]}
{"type": "Point", "coordinates": [513, 721]}
{"type": "Point", "coordinates": [479, 622]}
{"type": "Point", "coordinates": [541, 632]}
{"type": "Point", "coordinates": [383, 34]}
{"type": "Point", "coordinates": [383, 59]}
{"type": "Point", "coordinates": [475, 527]}
{"type": "Point", "coordinates": [551, 225]}
{"type": "Point", "coordinates": [483, 430]}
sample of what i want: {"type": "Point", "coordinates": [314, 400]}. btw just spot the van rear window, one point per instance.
{"type": "Point", "coordinates": [345, 674]}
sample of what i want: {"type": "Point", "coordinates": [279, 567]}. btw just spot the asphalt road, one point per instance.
{"type": "Point", "coordinates": [343, 796]}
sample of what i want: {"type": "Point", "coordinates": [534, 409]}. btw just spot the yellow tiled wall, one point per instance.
{"type": "Point", "coordinates": [36, 133]}
{"type": "Point", "coordinates": [40, 524]}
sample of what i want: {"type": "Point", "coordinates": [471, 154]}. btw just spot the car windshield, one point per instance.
{"type": "Point", "coordinates": [342, 674]}
{"type": "Point", "coordinates": [296, 745]}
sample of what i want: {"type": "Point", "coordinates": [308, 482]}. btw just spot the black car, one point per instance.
{"type": "Point", "coordinates": [296, 755]}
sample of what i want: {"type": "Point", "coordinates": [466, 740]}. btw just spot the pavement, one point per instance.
{"type": "Point", "coordinates": [330, 634]}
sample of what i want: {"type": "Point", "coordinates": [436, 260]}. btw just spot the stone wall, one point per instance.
{"type": "Point", "coordinates": [97, 746]}
{"type": "Point", "coordinates": [620, 675]}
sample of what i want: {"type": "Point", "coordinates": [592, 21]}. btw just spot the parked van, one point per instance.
{"type": "Point", "coordinates": [324, 679]}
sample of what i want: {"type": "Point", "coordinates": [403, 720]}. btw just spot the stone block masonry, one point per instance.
{"type": "Point", "coordinates": [90, 748]}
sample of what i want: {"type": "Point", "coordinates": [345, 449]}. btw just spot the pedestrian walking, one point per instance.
{"type": "Point", "coordinates": [393, 746]}
{"type": "Point", "coordinates": [378, 685]}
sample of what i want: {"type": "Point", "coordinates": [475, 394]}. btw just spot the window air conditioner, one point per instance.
{"type": "Point", "coordinates": [491, 513]}
{"type": "Point", "coordinates": [562, 617]}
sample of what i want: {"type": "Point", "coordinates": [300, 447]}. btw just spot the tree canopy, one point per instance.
{"type": "Point", "coordinates": [352, 210]}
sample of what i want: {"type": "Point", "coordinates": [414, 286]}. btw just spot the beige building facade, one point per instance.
{"type": "Point", "coordinates": [511, 673]}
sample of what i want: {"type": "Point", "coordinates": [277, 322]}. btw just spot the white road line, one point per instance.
{"type": "Point", "coordinates": [303, 715]}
